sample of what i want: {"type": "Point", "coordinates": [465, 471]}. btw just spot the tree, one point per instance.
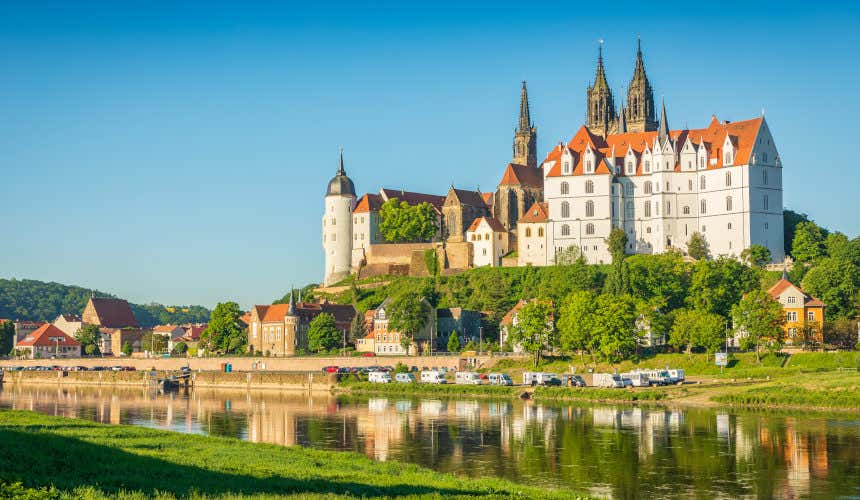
{"type": "Point", "coordinates": [431, 262]}
{"type": "Point", "coordinates": [126, 348]}
{"type": "Point", "coordinates": [408, 314]}
{"type": "Point", "coordinates": [180, 348]}
{"type": "Point", "coordinates": [357, 329]}
{"type": "Point", "coordinates": [225, 333]}
{"type": "Point", "coordinates": [533, 329]}
{"type": "Point", "coordinates": [454, 342]}
{"type": "Point", "coordinates": [790, 221]}
{"type": "Point", "coordinates": [838, 246]}
{"type": "Point", "coordinates": [153, 342]}
{"type": "Point", "coordinates": [323, 334]}
{"type": "Point", "coordinates": [758, 321]}
{"type": "Point", "coordinates": [616, 242]}
{"type": "Point", "coordinates": [89, 337]}
{"type": "Point", "coordinates": [663, 276]}
{"type": "Point", "coordinates": [698, 329]}
{"type": "Point", "coordinates": [835, 282]}
{"type": "Point", "coordinates": [697, 246]}
{"type": "Point", "coordinates": [7, 336]}
{"type": "Point", "coordinates": [808, 243]}
{"type": "Point", "coordinates": [756, 255]}
{"type": "Point", "coordinates": [617, 282]}
{"type": "Point", "coordinates": [716, 285]}
{"type": "Point", "coordinates": [567, 256]}
{"type": "Point", "coordinates": [576, 323]}
{"type": "Point", "coordinates": [401, 222]}
{"type": "Point", "coordinates": [615, 326]}
{"type": "Point", "coordinates": [841, 333]}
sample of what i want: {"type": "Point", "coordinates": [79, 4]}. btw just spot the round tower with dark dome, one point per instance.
{"type": "Point", "coordinates": [337, 225]}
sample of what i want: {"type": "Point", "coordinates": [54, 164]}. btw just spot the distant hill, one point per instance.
{"type": "Point", "coordinates": [41, 301]}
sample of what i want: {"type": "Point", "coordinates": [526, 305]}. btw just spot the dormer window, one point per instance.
{"type": "Point", "coordinates": [566, 167]}
{"type": "Point", "coordinates": [588, 166]}
{"type": "Point", "coordinates": [647, 167]}
{"type": "Point", "coordinates": [629, 168]}
{"type": "Point", "coordinates": [727, 159]}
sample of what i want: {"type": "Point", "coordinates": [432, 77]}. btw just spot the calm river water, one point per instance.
{"type": "Point", "coordinates": [612, 451]}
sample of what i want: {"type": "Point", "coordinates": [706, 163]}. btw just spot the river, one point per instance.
{"type": "Point", "coordinates": [610, 451]}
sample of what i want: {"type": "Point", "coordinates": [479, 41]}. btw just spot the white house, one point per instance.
{"type": "Point", "coordinates": [489, 240]}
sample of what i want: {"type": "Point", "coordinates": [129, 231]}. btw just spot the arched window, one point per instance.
{"type": "Point", "coordinates": [589, 186]}
{"type": "Point", "coordinates": [728, 178]}
{"type": "Point", "coordinates": [647, 209]}
{"type": "Point", "coordinates": [690, 185]}
{"type": "Point", "coordinates": [686, 210]}
{"type": "Point", "coordinates": [704, 208]}
{"type": "Point", "coordinates": [565, 230]}
{"type": "Point", "coordinates": [589, 208]}
{"type": "Point", "coordinates": [588, 166]}
{"type": "Point", "coordinates": [628, 190]}
{"type": "Point", "coordinates": [589, 229]}
{"type": "Point", "coordinates": [668, 208]}
{"type": "Point", "coordinates": [764, 177]}
{"type": "Point", "coordinates": [565, 188]}
{"type": "Point", "coordinates": [702, 183]}
{"type": "Point", "coordinates": [647, 166]}
{"type": "Point", "coordinates": [728, 203]}
{"type": "Point", "coordinates": [528, 232]}
{"type": "Point", "coordinates": [566, 167]}
{"type": "Point", "coordinates": [565, 210]}
{"type": "Point", "coordinates": [648, 187]}
{"type": "Point", "coordinates": [540, 232]}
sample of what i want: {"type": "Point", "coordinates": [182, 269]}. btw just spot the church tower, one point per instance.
{"type": "Point", "coordinates": [641, 115]}
{"type": "Point", "coordinates": [600, 114]}
{"type": "Point", "coordinates": [525, 136]}
{"type": "Point", "coordinates": [337, 225]}
{"type": "Point", "coordinates": [291, 328]}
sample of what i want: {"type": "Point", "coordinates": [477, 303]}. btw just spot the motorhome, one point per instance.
{"type": "Point", "coordinates": [637, 379]}
{"type": "Point", "coordinates": [467, 378]}
{"type": "Point", "coordinates": [676, 376]}
{"type": "Point", "coordinates": [658, 377]}
{"type": "Point", "coordinates": [432, 377]}
{"type": "Point", "coordinates": [379, 377]}
{"type": "Point", "coordinates": [404, 378]}
{"type": "Point", "coordinates": [607, 380]}
{"type": "Point", "coordinates": [500, 379]}
{"type": "Point", "coordinates": [540, 378]}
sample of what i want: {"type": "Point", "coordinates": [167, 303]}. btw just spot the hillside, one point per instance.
{"type": "Point", "coordinates": [42, 301]}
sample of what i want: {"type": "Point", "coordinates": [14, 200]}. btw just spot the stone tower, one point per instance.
{"type": "Point", "coordinates": [337, 225]}
{"type": "Point", "coordinates": [525, 136]}
{"type": "Point", "coordinates": [291, 327]}
{"type": "Point", "coordinates": [600, 114]}
{"type": "Point", "coordinates": [641, 115]}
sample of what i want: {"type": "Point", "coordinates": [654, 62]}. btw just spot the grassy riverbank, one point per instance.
{"type": "Point", "coordinates": [55, 457]}
{"type": "Point", "coordinates": [817, 391]}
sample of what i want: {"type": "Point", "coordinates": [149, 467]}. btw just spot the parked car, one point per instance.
{"type": "Point", "coordinates": [608, 380]}
{"type": "Point", "coordinates": [379, 377]}
{"type": "Point", "coordinates": [467, 378]}
{"type": "Point", "coordinates": [432, 377]}
{"type": "Point", "coordinates": [116, 368]}
{"type": "Point", "coordinates": [329, 369]}
{"type": "Point", "coordinates": [500, 379]}
{"type": "Point", "coordinates": [573, 381]}
{"type": "Point", "coordinates": [404, 378]}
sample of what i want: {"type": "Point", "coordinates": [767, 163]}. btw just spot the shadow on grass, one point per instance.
{"type": "Point", "coordinates": [39, 459]}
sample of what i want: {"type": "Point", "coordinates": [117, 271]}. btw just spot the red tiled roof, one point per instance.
{"type": "Point", "coordinates": [164, 328]}
{"type": "Point", "coordinates": [783, 284]}
{"type": "Point", "coordinates": [516, 175]}
{"type": "Point", "coordinates": [495, 225]}
{"type": "Point", "coordinates": [193, 332]}
{"type": "Point", "coordinates": [488, 198]}
{"type": "Point", "coordinates": [538, 212]}
{"type": "Point", "coordinates": [368, 203]}
{"type": "Point", "coordinates": [45, 336]}
{"type": "Point", "coordinates": [113, 313]}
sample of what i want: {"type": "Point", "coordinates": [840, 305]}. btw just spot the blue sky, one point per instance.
{"type": "Point", "coordinates": [179, 153]}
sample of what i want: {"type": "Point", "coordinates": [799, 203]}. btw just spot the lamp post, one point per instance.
{"type": "Point", "coordinates": [480, 340]}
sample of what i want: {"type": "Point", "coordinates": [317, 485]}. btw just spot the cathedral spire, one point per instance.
{"type": "Point", "coordinates": [640, 97]}
{"type": "Point", "coordinates": [291, 309]}
{"type": "Point", "coordinates": [663, 129]}
{"type": "Point", "coordinates": [600, 108]}
{"type": "Point", "coordinates": [600, 77]}
{"type": "Point", "coordinates": [525, 117]}
{"type": "Point", "coordinates": [622, 124]}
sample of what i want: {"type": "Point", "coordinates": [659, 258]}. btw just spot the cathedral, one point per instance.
{"type": "Point", "coordinates": [624, 168]}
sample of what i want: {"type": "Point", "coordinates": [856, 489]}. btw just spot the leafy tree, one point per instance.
{"type": "Point", "coordinates": [153, 342]}
{"type": "Point", "coordinates": [756, 255]}
{"type": "Point", "coordinates": [808, 243]}
{"type": "Point", "coordinates": [534, 329]}
{"type": "Point", "coordinates": [567, 256]}
{"type": "Point", "coordinates": [716, 285]}
{"type": "Point", "coordinates": [662, 276]}
{"type": "Point", "coordinates": [225, 332]}
{"type": "Point", "coordinates": [89, 337]}
{"type": "Point", "coordinates": [841, 333]}
{"type": "Point", "coordinates": [835, 282]}
{"type": "Point", "coordinates": [401, 368]}
{"type": "Point", "coordinates": [180, 348]}
{"type": "Point", "coordinates": [617, 244]}
{"type": "Point", "coordinates": [323, 334]}
{"type": "Point", "coordinates": [408, 314]}
{"type": "Point", "coordinates": [7, 336]}
{"type": "Point", "coordinates": [471, 345]}
{"type": "Point", "coordinates": [401, 222]}
{"type": "Point", "coordinates": [431, 262]}
{"type": "Point", "coordinates": [357, 328]}
{"type": "Point", "coordinates": [454, 342]}
{"type": "Point", "coordinates": [126, 348]}
{"type": "Point", "coordinates": [576, 328]}
{"type": "Point", "coordinates": [618, 281]}
{"type": "Point", "coordinates": [698, 329]}
{"type": "Point", "coordinates": [790, 221]}
{"type": "Point", "coordinates": [838, 246]}
{"type": "Point", "coordinates": [615, 325]}
{"type": "Point", "coordinates": [758, 319]}
{"type": "Point", "coordinates": [697, 247]}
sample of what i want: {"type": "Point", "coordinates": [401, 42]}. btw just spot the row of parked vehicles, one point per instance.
{"type": "Point", "coordinates": [58, 368]}
{"type": "Point", "coordinates": [438, 377]}
{"type": "Point", "coordinates": [639, 378]}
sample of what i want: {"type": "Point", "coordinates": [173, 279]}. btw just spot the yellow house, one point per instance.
{"type": "Point", "coordinates": [804, 315]}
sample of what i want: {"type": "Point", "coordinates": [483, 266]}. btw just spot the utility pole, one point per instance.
{"type": "Point", "coordinates": [480, 340]}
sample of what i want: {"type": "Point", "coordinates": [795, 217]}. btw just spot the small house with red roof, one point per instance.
{"type": "Point", "coordinates": [48, 341]}
{"type": "Point", "coordinates": [531, 236]}
{"type": "Point", "coordinates": [804, 314]}
{"type": "Point", "coordinates": [489, 240]}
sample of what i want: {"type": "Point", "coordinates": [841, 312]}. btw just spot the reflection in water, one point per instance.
{"type": "Point", "coordinates": [622, 451]}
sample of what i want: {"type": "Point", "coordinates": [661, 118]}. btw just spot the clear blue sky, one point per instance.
{"type": "Point", "coordinates": [180, 153]}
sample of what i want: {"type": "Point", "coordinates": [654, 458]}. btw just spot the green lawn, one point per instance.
{"type": "Point", "coordinates": [832, 390]}
{"type": "Point", "coordinates": [55, 457]}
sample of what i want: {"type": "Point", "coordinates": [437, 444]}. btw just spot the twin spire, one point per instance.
{"type": "Point", "coordinates": [525, 117]}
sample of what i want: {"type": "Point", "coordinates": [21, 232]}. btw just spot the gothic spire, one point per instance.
{"type": "Point", "coordinates": [291, 309]}
{"type": "Point", "coordinates": [622, 123]}
{"type": "Point", "coordinates": [340, 170]}
{"type": "Point", "coordinates": [525, 117]}
{"type": "Point", "coordinates": [600, 77]}
{"type": "Point", "coordinates": [663, 128]}
{"type": "Point", "coordinates": [639, 69]}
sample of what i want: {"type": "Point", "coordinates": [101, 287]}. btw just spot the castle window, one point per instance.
{"type": "Point", "coordinates": [628, 190]}
{"type": "Point", "coordinates": [588, 166]}
{"type": "Point", "coordinates": [702, 182]}
{"type": "Point", "coordinates": [728, 178]}
{"type": "Point", "coordinates": [589, 229]}
{"type": "Point", "coordinates": [704, 208]}
{"type": "Point", "coordinates": [628, 210]}
{"type": "Point", "coordinates": [648, 187]}
{"type": "Point", "coordinates": [589, 187]}
{"type": "Point", "coordinates": [565, 230]}
{"type": "Point", "coordinates": [729, 226]}
{"type": "Point", "coordinates": [566, 167]}
{"type": "Point", "coordinates": [528, 232]}
{"type": "Point", "coordinates": [728, 158]}
{"type": "Point", "coordinates": [668, 207]}
{"type": "Point", "coordinates": [765, 203]}
{"type": "Point", "coordinates": [648, 230]}
{"type": "Point", "coordinates": [764, 177]}
{"type": "Point", "coordinates": [728, 203]}
{"type": "Point", "coordinates": [474, 238]}
{"type": "Point", "coordinates": [690, 185]}
{"type": "Point", "coordinates": [629, 168]}
{"type": "Point", "coordinates": [589, 208]}
{"type": "Point", "coordinates": [647, 209]}
{"type": "Point", "coordinates": [565, 209]}
{"type": "Point", "coordinates": [647, 167]}
{"type": "Point", "coordinates": [667, 186]}
{"type": "Point", "coordinates": [355, 220]}
{"type": "Point", "coordinates": [540, 232]}
{"type": "Point", "coordinates": [362, 219]}
{"type": "Point", "coordinates": [766, 225]}
{"type": "Point", "coordinates": [764, 157]}
{"type": "Point", "coordinates": [565, 188]}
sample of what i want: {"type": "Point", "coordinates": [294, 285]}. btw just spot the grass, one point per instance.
{"type": "Point", "coordinates": [498, 391]}
{"type": "Point", "coordinates": [597, 394]}
{"type": "Point", "coordinates": [826, 390]}
{"type": "Point", "coordinates": [56, 457]}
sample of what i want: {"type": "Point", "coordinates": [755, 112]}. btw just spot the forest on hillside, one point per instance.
{"type": "Point", "coordinates": [43, 301]}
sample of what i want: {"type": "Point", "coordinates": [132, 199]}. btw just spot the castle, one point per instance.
{"type": "Point", "coordinates": [624, 168]}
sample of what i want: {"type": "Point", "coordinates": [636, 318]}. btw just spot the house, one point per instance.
{"type": "Point", "coordinates": [466, 322]}
{"type": "Point", "coordinates": [116, 323]}
{"type": "Point", "coordinates": [69, 323]}
{"type": "Point", "coordinates": [169, 331]}
{"type": "Point", "coordinates": [366, 343]}
{"type": "Point", "coordinates": [48, 341]}
{"type": "Point", "coordinates": [509, 320]}
{"type": "Point", "coordinates": [388, 341]}
{"type": "Point", "coordinates": [531, 236]}
{"type": "Point", "coordinates": [121, 336]}
{"type": "Point", "coordinates": [804, 315]}
{"type": "Point", "coordinates": [490, 241]}
{"type": "Point", "coordinates": [24, 328]}
{"type": "Point", "coordinates": [281, 329]}
{"type": "Point", "coordinates": [190, 336]}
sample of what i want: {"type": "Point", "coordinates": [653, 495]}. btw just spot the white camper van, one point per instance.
{"type": "Point", "coordinates": [676, 376]}
{"type": "Point", "coordinates": [540, 378]}
{"type": "Point", "coordinates": [432, 377]}
{"type": "Point", "coordinates": [500, 379]}
{"type": "Point", "coordinates": [467, 378]}
{"type": "Point", "coordinates": [607, 380]}
{"type": "Point", "coordinates": [379, 377]}
{"type": "Point", "coordinates": [637, 379]}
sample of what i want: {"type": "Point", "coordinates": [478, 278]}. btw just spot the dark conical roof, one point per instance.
{"type": "Point", "coordinates": [525, 117]}
{"type": "Point", "coordinates": [340, 184]}
{"type": "Point", "coordinates": [600, 77]}
{"type": "Point", "coordinates": [663, 129]}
